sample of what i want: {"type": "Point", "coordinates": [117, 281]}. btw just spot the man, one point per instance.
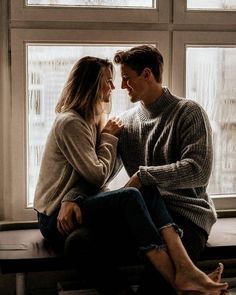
{"type": "Point", "coordinates": [166, 142]}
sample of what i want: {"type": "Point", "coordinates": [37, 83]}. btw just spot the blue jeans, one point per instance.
{"type": "Point", "coordinates": [125, 221]}
{"type": "Point", "coordinates": [142, 215]}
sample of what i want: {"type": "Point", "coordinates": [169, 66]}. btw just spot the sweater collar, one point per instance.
{"type": "Point", "coordinates": [158, 106]}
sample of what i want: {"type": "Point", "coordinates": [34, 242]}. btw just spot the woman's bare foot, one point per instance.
{"type": "Point", "coordinates": [214, 276]}
{"type": "Point", "coordinates": [196, 280]}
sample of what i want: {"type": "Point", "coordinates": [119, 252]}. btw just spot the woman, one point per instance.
{"type": "Point", "coordinates": [81, 153]}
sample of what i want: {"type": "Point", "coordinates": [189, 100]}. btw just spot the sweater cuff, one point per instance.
{"type": "Point", "coordinates": [72, 196]}
{"type": "Point", "coordinates": [107, 137]}
{"type": "Point", "coordinates": [144, 176]}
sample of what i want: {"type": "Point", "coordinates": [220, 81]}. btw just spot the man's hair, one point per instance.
{"type": "Point", "coordinates": [82, 90]}
{"type": "Point", "coordinates": [140, 57]}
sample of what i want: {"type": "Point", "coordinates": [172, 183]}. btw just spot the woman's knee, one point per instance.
{"type": "Point", "coordinates": [132, 194]}
{"type": "Point", "coordinates": [78, 242]}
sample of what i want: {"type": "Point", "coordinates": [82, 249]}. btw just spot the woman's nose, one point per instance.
{"type": "Point", "coordinates": [123, 84]}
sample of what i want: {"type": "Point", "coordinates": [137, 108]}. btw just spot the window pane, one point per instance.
{"type": "Point", "coordinates": [211, 4]}
{"type": "Point", "coordinates": [103, 3]}
{"type": "Point", "coordinates": [210, 80]}
{"type": "Point", "coordinates": [47, 70]}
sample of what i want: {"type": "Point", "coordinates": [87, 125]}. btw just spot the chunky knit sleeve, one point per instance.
{"type": "Point", "coordinates": [193, 148]}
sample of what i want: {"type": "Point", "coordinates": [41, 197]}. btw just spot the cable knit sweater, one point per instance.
{"type": "Point", "coordinates": [170, 142]}
{"type": "Point", "coordinates": [75, 155]}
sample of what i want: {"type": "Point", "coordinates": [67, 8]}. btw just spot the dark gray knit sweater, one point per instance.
{"type": "Point", "coordinates": [170, 142]}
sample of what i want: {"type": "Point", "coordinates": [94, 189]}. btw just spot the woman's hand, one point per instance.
{"type": "Point", "coordinates": [113, 126]}
{"type": "Point", "coordinates": [69, 217]}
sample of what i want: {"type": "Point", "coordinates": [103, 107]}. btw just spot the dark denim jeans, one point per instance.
{"type": "Point", "coordinates": [122, 222]}
{"type": "Point", "coordinates": [124, 208]}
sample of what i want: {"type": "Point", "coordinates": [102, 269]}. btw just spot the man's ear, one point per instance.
{"type": "Point", "coordinates": [146, 73]}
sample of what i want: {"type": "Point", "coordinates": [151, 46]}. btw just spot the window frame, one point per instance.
{"type": "Point", "coordinates": [223, 203]}
{"type": "Point", "coordinates": [21, 12]}
{"type": "Point", "coordinates": [19, 38]}
{"type": "Point", "coordinates": [170, 22]}
{"type": "Point", "coordinates": [201, 17]}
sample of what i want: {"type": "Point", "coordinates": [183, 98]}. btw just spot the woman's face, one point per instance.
{"type": "Point", "coordinates": [107, 85]}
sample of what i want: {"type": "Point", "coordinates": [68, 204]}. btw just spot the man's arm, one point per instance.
{"type": "Point", "coordinates": [193, 168]}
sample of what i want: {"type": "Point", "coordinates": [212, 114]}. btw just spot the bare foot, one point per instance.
{"type": "Point", "coordinates": [214, 276]}
{"type": "Point", "coordinates": [196, 280]}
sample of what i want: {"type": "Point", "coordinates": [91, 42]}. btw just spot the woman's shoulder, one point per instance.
{"type": "Point", "coordinates": [68, 118]}
{"type": "Point", "coordinates": [71, 121]}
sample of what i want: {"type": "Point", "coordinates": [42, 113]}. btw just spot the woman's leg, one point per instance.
{"type": "Point", "coordinates": [85, 252]}
{"type": "Point", "coordinates": [48, 228]}
{"type": "Point", "coordinates": [88, 252]}
{"type": "Point", "coordinates": [186, 276]}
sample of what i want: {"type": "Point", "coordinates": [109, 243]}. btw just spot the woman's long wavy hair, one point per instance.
{"type": "Point", "coordinates": [82, 91]}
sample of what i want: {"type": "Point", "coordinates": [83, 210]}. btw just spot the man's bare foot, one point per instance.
{"type": "Point", "coordinates": [196, 280]}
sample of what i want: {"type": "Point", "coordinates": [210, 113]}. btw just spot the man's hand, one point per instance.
{"type": "Point", "coordinates": [68, 218]}
{"type": "Point", "coordinates": [134, 181]}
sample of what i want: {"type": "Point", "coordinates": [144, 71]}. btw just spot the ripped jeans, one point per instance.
{"type": "Point", "coordinates": [117, 225]}
{"type": "Point", "coordinates": [143, 214]}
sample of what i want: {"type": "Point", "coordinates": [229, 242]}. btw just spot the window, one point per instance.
{"type": "Point", "coordinates": [206, 61]}
{"type": "Point", "coordinates": [197, 39]}
{"type": "Point", "coordinates": [47, 69]}
{"type": "Point", "coordinates": [209, 12]}
{"type": "Point", "coordinates": [210, 76]}
{"type": "Point", "coordinates": [211, 4]}
{"type": "Point", "coordinates": [84, 11]}
{"type": "Point", "coordinates": [96, 3]}
{"type": "Point", "coordinates": [34, 95]}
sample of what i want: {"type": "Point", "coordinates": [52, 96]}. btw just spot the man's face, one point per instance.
{"type": "Point", "coordinates": [133, 82]}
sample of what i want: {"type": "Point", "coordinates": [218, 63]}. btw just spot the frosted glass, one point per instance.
{"type": "Point", "coordinates": [211, 4]}
{"type": "Point", "coordinates": [47, 70]}
{"type": "Point", "coordinates": [103, 3]}
{"type": "Point", "coordinates": [210, 80]}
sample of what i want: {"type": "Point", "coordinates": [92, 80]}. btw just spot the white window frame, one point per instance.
{"type": "Point", "coordinates": [19, 37]}
{"type": "Point", "coordinates": [21, 12]}
{"type": "Point", "coordinates": [214, 17]}
{"type": "Point", "coordinates": [180, 41]}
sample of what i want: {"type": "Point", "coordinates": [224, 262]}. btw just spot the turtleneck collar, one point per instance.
{"type": "Point", "coordinates": [158, 106]}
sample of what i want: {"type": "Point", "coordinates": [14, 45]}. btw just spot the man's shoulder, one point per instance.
{"type": "Point", "coordinates": [129, 114]}
{"type": "Point", "coordinates": [188, 104]}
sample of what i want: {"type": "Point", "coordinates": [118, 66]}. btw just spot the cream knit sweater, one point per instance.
{"type": "Point", "coordinates": [75, 155]}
